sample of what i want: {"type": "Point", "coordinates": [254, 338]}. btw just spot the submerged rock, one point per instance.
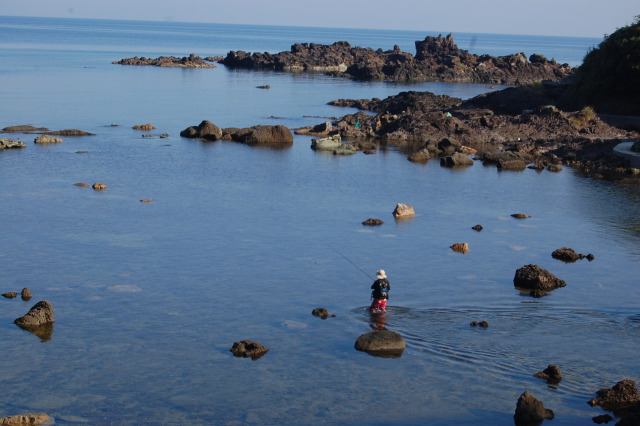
{"type": "Point", "coordinates": [477, 228]}
{"type": "Point", "coordinates": [533, 277]}
{"type": "Point", "coordinates": [483, 324]}
{"type": "Point", "coordinates": [248, 349]}
{"type": "Point", "coordinates": [373, 222]}
{"type": "Point", "coordinates": [45, 139]}
{"type": "Point", "coordinates": [385, 343]}
{"type": "Point", "coordinates": [99, 186]}
{"type": "Point", "coordinates": [10, 295]}
{"type": "Point", "coordinates": [530, 411]}
{"type": "Point", "coordinates": [520, 216]}
{"type": "Point", "coordinates": [551, 374]}
{"type": "Point", "coordinates": [320, 313]}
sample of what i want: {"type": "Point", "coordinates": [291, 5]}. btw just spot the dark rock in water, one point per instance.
{"type": "Point", "coordinates": [604, 418]}
{"type": "Point", "coordinates": [10, 295]}
{"type": "Point", "coordinates": [554, 168]}
{"type": "Point", "coordinates": [384, 343]}
{"type": "Point", "coordinates": [33, 419]}
{"type": "Point", "coordinates": [248, 349]}
{"type": "Point", "coordinates": [566, 255]}
{"type": "Point", "coordinates": [483, 324]}
{"type": "Point", "coordinates": [530, 411]}
{"type": "Point", "coordinates": [278, 136]}
{"type": "Point", "coordinates": [320, 312]}
{"type": "Point", "coordinates": [26, 294]}
{"type": "Point", "coordinates": [590, 257]}
{"type": "Point", "coordinates": [40, 314]}
{"type": "Point", "coordinates": [24, 128]}
{"type": "Point", "coordinates": [533, 277]}
{"type": "Point", "coordinates": [373, 222]}
{"type": "Point", "coordinates": [520, 216]}
{"type": "Point", "coordinates": [622, 395]}
{"type": "Point", "coordinates": [514, 165]}
{"type": "Point", "coordinates": [477, 228]}
{"type": "Point", "coordinates": [551, 374]}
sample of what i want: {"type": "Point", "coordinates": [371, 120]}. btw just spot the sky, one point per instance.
{"type": "Point", "coordinates": [578, 18]}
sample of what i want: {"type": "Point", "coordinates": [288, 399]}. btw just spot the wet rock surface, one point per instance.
{"type": "Point", "coordinates": [436, 59]}
{"type": "Point", "coordinates": [623, 400]}
{"type": "Point", "coordinates": [11, 144]}
{"type": "Point", "coordinates": [403, 211]}
{"type": "Point", "coordinates": [373, 222]}
{"type": "Point", "coordinates": [41, 314]}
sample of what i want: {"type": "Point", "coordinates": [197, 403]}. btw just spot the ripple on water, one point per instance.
{"type": "Point", "coordinates": [518, 342]}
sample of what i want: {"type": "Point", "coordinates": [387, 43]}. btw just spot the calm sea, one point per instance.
{"type": "Point", "coordinates": [242, 243]}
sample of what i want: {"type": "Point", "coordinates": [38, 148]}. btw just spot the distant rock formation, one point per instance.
{"type": "Point", "coordinates": [436, 59]}
{"type": "Point", "coordinates": [191, 61]}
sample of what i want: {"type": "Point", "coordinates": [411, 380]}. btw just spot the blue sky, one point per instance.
{"type": "Point", "coordinates": [582, 18]}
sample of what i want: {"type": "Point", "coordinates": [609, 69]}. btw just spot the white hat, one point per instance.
{"type": "Point", "coordinates": [381, 274]}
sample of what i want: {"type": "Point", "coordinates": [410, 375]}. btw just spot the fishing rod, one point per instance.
{"type": "Point", "coordinates": [348, 260]}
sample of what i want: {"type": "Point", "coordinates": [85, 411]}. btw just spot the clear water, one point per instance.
{"type": "Point", "coordinates": [242, 243]}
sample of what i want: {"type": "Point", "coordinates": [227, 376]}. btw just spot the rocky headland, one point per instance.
{"type": "Point", "coordinates": [436, 59]}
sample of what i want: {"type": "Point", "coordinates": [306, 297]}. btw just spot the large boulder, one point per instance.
{"type": "Point", "coordinates": [384, 343]}
{"type": "Point", "coordinates": [533, 277]}
{"type": "Point", "coordinates": [530, 411]}
{"type": "Point", "coordinates": [278, 135]}
{"type": "Point", "coordinates": [41, 314]}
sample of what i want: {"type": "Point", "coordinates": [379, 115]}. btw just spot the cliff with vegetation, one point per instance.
{"type": "Point", "coordinates": [609, 78]}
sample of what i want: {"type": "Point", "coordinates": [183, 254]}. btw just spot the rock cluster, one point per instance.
{"type": "Point", "coordinates": [436, 59]}
{"type": "Point", "coordinates": [278, 136]}
{"type": "Point", "coordinates": [191, 61]}
{"type": "Point", "coordinates": [569, 255]}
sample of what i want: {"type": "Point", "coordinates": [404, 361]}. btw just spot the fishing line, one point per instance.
{"type": "Point", "coordinates": [348, 260]}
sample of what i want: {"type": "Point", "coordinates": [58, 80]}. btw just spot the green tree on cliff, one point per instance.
{"type": "Point", "coordinates": [609, 77]}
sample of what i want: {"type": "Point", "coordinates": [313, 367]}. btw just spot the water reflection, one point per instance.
{"type": "Point", "coordinates": [44, 332]}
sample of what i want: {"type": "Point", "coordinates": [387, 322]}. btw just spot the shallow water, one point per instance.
{"type": "Point", "coordinates": [242, 243]}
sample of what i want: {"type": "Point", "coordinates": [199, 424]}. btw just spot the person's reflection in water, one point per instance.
{"type": "Point", "coordinates": [378, 320]}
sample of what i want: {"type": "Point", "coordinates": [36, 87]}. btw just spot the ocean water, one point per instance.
{"type": "Point", "coordinates": [242, 243]}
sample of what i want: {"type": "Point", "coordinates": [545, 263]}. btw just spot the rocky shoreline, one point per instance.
{"type": "Point", "coordinates": [512, 128]}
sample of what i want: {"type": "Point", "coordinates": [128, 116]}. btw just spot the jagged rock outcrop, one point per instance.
{"type": "Point", "coordinates": [436, 59]}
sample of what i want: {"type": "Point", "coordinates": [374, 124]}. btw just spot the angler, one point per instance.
{"type": "Point", "coordinates": [380, 293]}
